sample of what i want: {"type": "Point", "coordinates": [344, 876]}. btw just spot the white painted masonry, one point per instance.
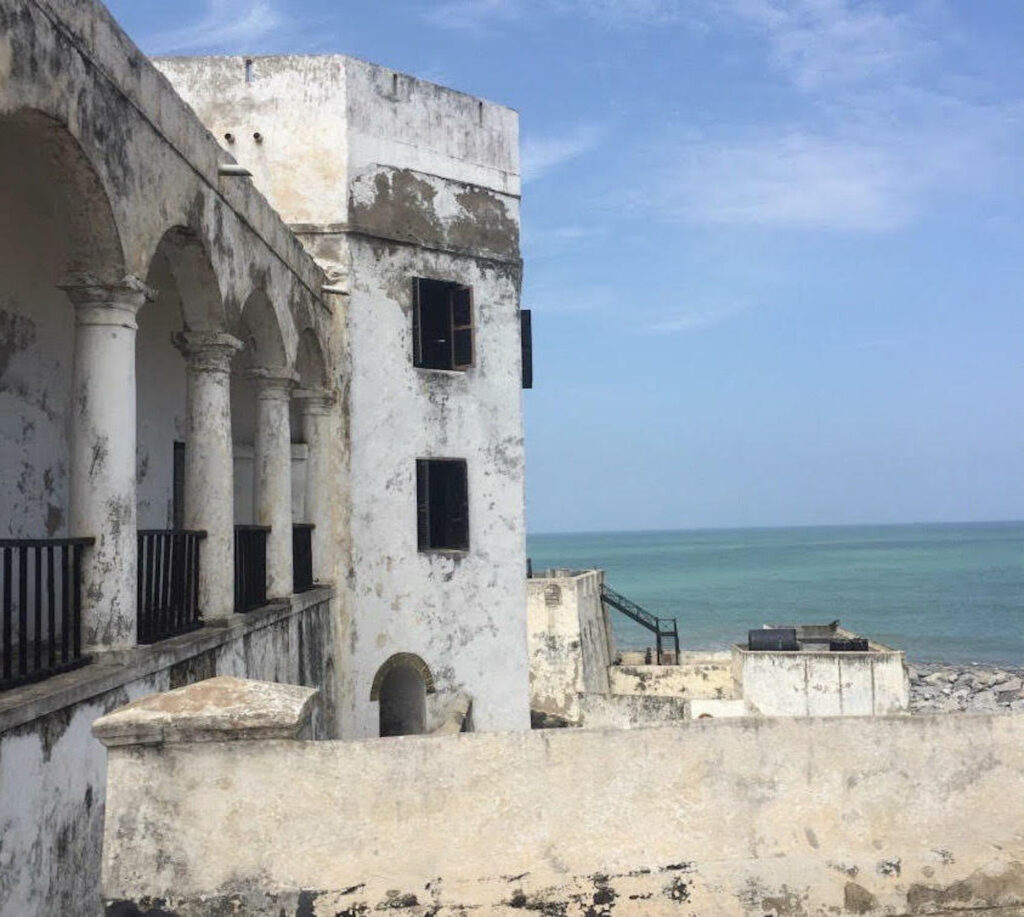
{"type": "Point", "coordinates": [387, 178]}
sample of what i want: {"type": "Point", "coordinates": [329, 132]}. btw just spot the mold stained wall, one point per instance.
{"type": "Point", "coordinates": [53, 772]}
{"type": "Point", "coordinates": [433, 192]}
{"type": "Point", "coordinates": [386, 178]}
{"type": "Point", "coordinates": [36, 344]}
{"type": "Point", "coordinates": [463, 613]}
{"type": "Point", "coordinates": [570, 642]}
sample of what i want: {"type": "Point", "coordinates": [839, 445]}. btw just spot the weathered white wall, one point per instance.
{"type": "Point", "coordinates": [160, 384]}
{"type": "Point", "coordinates": [750, 817]}
{"type": "Point", "coordinates": [463, 613]}
{"type": "Point", "coordinates": [710, 678]}
{"type": "Point", "coordinates": [823, 683]}
{"type": "Point", "coordinates": [36, 339]}
{"type": "Point", "coordinates": [53, 772]}
{"type": "Point", "coordinates": [630, 711]}
{"type": "Point", "coordinates": [387, 178]}
{"type": "Point", "coordinates": [569, 641]}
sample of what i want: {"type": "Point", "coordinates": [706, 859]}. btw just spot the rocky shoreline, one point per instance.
{"type": "Point", "coordinates": [944, 688]}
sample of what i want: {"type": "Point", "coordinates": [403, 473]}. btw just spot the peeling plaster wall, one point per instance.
{"type": "Point", "coordinates": [569, 642]}
{"type": "Point", "coordinates": [783, 817]}
{"type": "Point", "coordinates": [53, 772]}
{"type": "Point", "coordinates": [463, 613]}
{"type": "Point", "coordinates": [387, 178]}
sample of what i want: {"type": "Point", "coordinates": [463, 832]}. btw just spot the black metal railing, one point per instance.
{"type": "Point", "coordinates": [250, 566]}
{"type": "Point", "coordinates": [168, 583]}
{"type": "Point", "coordinates": [40, 608]}
{"type": "Point", "coordinates": [302, 556]}
{"type": "Point", "coordinates": [660, 627]}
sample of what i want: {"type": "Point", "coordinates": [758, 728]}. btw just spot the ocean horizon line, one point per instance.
{"type": "Point", "coordinates": [953, 523]}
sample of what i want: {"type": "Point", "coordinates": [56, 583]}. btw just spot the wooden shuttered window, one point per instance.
{"type": "Point", "coordinates": [526, 342]}
{"type": "Point", "coordinates": [462, 327]}
{"type": "Point", "coordinates": [442, 505]}
{"type": "Point", "coordinates": [442, 325]}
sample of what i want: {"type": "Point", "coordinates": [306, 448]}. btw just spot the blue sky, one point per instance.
{"type": "Point", "coordinates": [774, 248]}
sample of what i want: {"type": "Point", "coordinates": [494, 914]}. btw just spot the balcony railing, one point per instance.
{"type": "Point", "coordinates": [168, 583]}
{"type": "Point", "coordinates": [40, 608]}
{"type": "Point", "coordinates": [302, 556]}
{"type": "Point", "coordinates": [250, 566]}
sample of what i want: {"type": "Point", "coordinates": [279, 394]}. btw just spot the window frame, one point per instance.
{"type": "Point", "coordinates": [425, 505]}
{"type": "Point", "coordinates": [454, 327]}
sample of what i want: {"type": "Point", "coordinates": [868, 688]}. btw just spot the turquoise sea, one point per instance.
{"type": "Point", "coordinates": [943, 593]}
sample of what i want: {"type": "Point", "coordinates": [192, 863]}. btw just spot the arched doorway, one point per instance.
{"type": "Point", "coordinates": [400, 689]}
{"type": "Point", "coordinates": [55, 221]}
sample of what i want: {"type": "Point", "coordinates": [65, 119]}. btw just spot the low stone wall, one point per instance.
{"type": "Point", "coordinates": [942, 688]}
{"type": "Point", "coordinates": [708, 677]}
{"type": "Point", "coordinates": [754, 817]}
{"type": "Point", "coordinates": [53, 772]}
{"type": "Point", "coordinates": [617, 711]}
{"type": "Point", "coordinates": [812, 683]}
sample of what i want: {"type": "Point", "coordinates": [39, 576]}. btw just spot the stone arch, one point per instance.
{"type": "Point", "coordinates": [410, 660]}
{"type": "Point", "coordinates": [309, 361]}
{"type": "Point", "coordinates": [400, 688]}
{"type": "Point", "coordinates": [58, 180]}
{"type": "Point", "coordinates": [57, 226]}
{"type": "Point", "coordinates": [188, 299]}
{"type": "Point", "coordinates": [182, 274]}
{"type": "Point", "coordinates": [261, 332]}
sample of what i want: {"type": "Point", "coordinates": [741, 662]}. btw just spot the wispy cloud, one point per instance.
{"type": "Point", "coordinates": [226, 25]}
{"type": "Point", "coordinates": [697, 319]}
{"type": "Point", "coordinates": [540, 155]}
{"type": "Point", "coordinates": [823, 43]}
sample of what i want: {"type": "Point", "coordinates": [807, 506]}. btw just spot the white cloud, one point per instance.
{"type": "Point", "coordinates": [540, 155]}
{"type": "Point", "coordinates": [794, 179]}
{"type": "Point", "coordinates": [227, 25]}
{"type": "Point", "coordinates": [879, 167]}
{"type": "Point", "coordinates": [828, 43]}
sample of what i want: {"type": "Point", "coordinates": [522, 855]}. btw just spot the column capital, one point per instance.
{"type": "Point", "coordinates": [273, 382]}
{"type": "Point", "coordinates": [315, 400]}
{"type": "Point", "coordinates": [208, 351]}
{"type": "Point", "coordinates": [99, 302]}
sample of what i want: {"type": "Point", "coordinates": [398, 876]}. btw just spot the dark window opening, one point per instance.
{"type": "Point", "coordinates": [442, 329]}
{"type": "Point", "coordinates": [442, 505]}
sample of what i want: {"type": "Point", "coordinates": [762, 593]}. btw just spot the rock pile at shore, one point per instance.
{"type": "Point", "coordinates": [937, 688]}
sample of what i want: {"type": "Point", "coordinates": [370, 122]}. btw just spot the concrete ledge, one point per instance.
{"type": "Point", "coordinates": [214, 710]}
{"type": "Point", "coordinates": [111, 670]}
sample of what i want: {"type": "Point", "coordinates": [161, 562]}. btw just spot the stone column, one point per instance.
{"type": "Point", "coordinates": [209, 465]}
{"type": "Point", "coordinates": [102, 475]}
{"type": "Point", "coordinates": [272, 474]}
{"type": "Point", "coordinates": [316, 408]}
